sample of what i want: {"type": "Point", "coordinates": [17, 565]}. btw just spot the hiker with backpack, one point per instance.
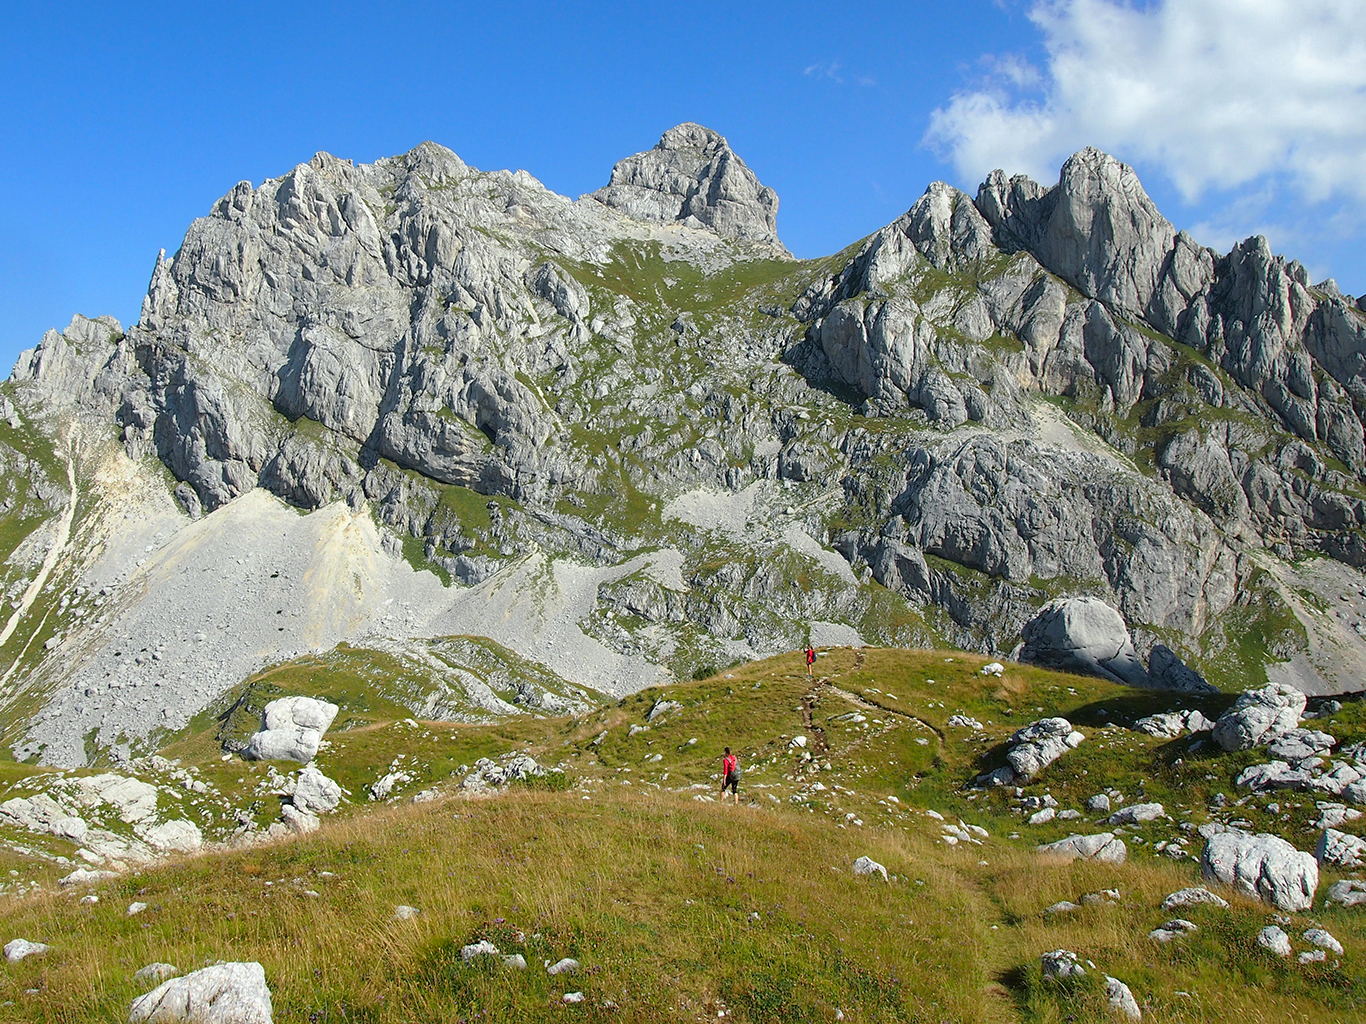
{"type": "Point", "coordinates": [810, 659]}
{"type": "Point", "coordinates": [730, 776]}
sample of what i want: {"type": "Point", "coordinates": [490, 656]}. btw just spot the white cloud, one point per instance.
{"type": "Point", "coordinates": [1219, 95]}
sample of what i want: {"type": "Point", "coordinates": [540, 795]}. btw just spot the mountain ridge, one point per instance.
{"type": "Point", "coordinates": [990, 402]}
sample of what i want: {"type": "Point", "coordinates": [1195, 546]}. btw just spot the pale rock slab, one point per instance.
{"type": "Point", "coordinates": [1274, 939]}
{"type": "Point", "coordinates": [1260, 717]}
{"type": "Point", "coordinates": [1103, 847]}
{"type": "Point", "coordinates": [1193, 897]}
{"type": "Point", "coordinates": [1121, 998]}
{"type": "Point", "coordinates": [867, 866]}
{"type": "Point", "coordinates": [228, 993]}
{"type": "Point", "coordinates": [17, 949]}
{"type": "Point", "coordinates": [1341, 850]}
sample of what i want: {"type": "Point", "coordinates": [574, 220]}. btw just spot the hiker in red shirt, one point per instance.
{"type": "Point", "coordinates": [810, 659]}
{"type": "Point", "coordinates": [730, 776]}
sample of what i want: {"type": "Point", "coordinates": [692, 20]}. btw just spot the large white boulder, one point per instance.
{"type": "Point", "coordinates": [1039, 744]}
{"type": "Point", "coordinates": [231, 993]}
{"type": "Point", "coordinates": [1264, 866]}
{"type": "Point", "coordinates": [1260, 716]}
{"type": "Point", "coordinates": [17, 949]}
{"type": "Point", "coordinates": [1083, 634]}
{"type": "Point", "coordinates": [292, 728]}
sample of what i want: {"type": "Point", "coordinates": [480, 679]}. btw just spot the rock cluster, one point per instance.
{"type": "Point", "coordinates": [1032, 749]}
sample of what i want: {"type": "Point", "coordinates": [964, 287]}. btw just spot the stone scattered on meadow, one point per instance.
{"type": "Point", "coordinates": [1324, 939]}
{"type": "Point", "coordinates": [1264, 866]}
{"type": "Point", "coordinates": [515, 961]}
{"type": "Point", "coordinates": [1099, 802]}
{"type": "Point", "coordinates": [228, 993]}
{"type": "Point", "coordinates": [403, 912]}
{"type": "Point", "coordinates": [1349, 892]}
{"type": "Point", "coordinates": [1311, 956]}
{"type": "Point", "coordinates": [1341, 849]}
{"type": "Point", "coordinates": [1103, 847]}
{"type": "Point", "coordinates": [1274, 938]}
{"type": "Point", "coordinates": [1121, 998]}
{"type": "Point", "coordinates": [17, 949]}
{"type": "Point", "coordinates": [1061, 907]}
{"type": "Point", "coordinates": [315, 792]}
{"type": "Point", "coordinates": [1136, 813]}
{"type": "Point", "coordinates": [573, 997]}
{"type": "Point", "coordinates": [1043, 817]}
{"type": "Point", "coordinates": [1260, 717]}
{"type": "Point", "coordinates": [867, 866]}
{"type": "Point", "coordinates": [1193, 896]}
{"type": "Point", "coordinates": [566, 966]}
{"type": "Point", "coordinates": [1061, 964]}
{"type": "Point", "coordinates": [1174, 928]}
{"type": "Point", "coordinates": [136, 908]}
{"type": "Point", "coordinates": [477, 949]}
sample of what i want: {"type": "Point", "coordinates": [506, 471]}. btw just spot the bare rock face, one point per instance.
{"type": "Point", "coordinates": [1083, 634]}
{"type": "Point", "coordinates": [692, 177]}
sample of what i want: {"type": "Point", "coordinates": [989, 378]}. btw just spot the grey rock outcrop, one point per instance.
{"type": "Point", "coordinates": [1136, 813]}
{"type": "Point", "coordinates": [1347, 892]}
{"type": "Point", "coordinates": [18, 949]}
{"type": "Point", "coordinates": [1263, 866]}
{"type": "Point", "coordinates": [1121, 999]}
{"type": "Point", "coordinates": [1274, 939]}
{"type": "Point", "coordinates": [867, 866]}
{"type": "Point", "coordinates": [1260, 717]}
{"type": "Point", "coordinates": [692, 177]}
{"type": "Point", "coordinates": [226, 993]}
{"type": "Point", "coordinates": [1039, 744]}
{"type": "Point", "coordinates": [1083, 634]}
{"type": "Point", "coordinates": [1061, 964]}
{"type": "Point", "coordinates": [315, 792]}
{"type": "Point", "coordinates": [1193, 896]}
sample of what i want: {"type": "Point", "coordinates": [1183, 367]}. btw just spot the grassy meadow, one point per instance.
{"type": "Point", "coordinates": [680, 908]}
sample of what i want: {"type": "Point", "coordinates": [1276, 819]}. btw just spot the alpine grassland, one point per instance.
{"type": "Point", "coordinates": [678, 907]}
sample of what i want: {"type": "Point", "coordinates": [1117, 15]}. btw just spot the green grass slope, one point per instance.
{"type": "Point", "coordinates": [680, 908]}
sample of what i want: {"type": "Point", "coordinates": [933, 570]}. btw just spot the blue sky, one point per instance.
{"type": "Point", "coordinates": [123, 122]}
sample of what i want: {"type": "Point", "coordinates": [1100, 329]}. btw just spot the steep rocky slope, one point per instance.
{"type": "Point", "coordinates": [630, 435]}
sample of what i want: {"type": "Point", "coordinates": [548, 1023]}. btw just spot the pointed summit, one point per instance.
{"type": "Point", "coordinates": [693, 177]}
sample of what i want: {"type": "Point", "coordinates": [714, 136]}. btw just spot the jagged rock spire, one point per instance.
{"type": "Point", "coordinates": [693, 177]}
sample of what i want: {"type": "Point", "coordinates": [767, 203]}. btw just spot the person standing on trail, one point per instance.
{"type": "Point", "coordinates": [810, 659]}
{"type": "Point", "coordinates": [730, 776]}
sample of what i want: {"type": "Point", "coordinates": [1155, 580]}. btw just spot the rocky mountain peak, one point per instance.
{"type": "Point", "coordinates": [692, 177]}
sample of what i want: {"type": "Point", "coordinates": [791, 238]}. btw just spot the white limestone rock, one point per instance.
{"type": "Point", "coordinates": [1264, 866]}
{"type": "Point", "coordinates": [1061, 964]}
{"type": "Point", "coordinates": [1121, 998]}
{"type": "Point", "coordinates": [1103, 847]}
{"type": "Point", "coordinates": [1323, 939]}
{"type": "Point", "coordinates": [477, 949]}
{"type": "Point", "coordinates": [1193, 896]}
{"type": "Point", "coordinates": [1274, 939]}
{"type": "Point", "coordinates": [1341, 850]}
{"type": "Point", "coordinates": [17, 949]}
{"type": "Point", "coordinates": [1260, 717]}
{"type": "Point", "coordinates": [1136, 813]}
{"type": "Point", "coordinates": [1348, 892]}
{"type": "Point", "coordinates": [292, 728]}
{"type": "Point", "coordinates": [1039, 744]}
{"type": "Point", "coordinates": [867, 866]}
{"type": "Point", "coordinates": [297, 821]}
{"type": "Point", "coordinates": [1174, 928]}
{"type": "Point", "coordinates": [1301, 744]}
{"type": "Point", "coordinates": [1083, 634]}
{"type": "Point", "coordinates": [315, 792]}
{"type": "Point", "coordinates": [227, 993]}
{"type": "Point", "coordinates": [567, 965]}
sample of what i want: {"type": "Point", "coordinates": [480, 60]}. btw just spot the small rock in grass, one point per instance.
{"type": "Point", "coordinates": [1273, 938]}
{"type": "Point", "coordinates": [475, 949]}
{"type": "Point", "coordinates": [1061, 907]}
{"type": "Point", "coordinates": [17, 949]}
{"type": "Point", "coordinates": [405, 913]}
{"type": "Point", "coordinates": [573, 997]}
{"type": "Point", "coordinates": [89, 899]}
{"type": "Point", "coordinates": [1320, 937]}
{"type": "Point", "coordinates": [136, 908]}
{"type": "Point", "coordinates": [515, 960]}
{"type": "Point", "coordinates": [1193, 896]}
{"type": "Point", "coordinates": [868, 866]}
{"type": "Point", "coordinates": [566, 966]}
{"type": "Point", "coordinates": [1099, 802]}
{"type": "Point", "coordinates": [1313, 956]}
{"type": "Point", "coordinates": [1103, 847]}
{"type": "Point", "coordinates": [1069, 815]}
{"type": "Point", "coordinates": [1061, 963]}
{"type": "Point", "coordinates": [1174, 928]}
{"type": "Point", "coordinates": [156, 973]}
{"type": "Point", "coordinates": [1121, 998]}
{"type": "Point", "coordinates": [1135, 813]}
{"type": "Point", "coordinates": [1341, 849]}
{"type": "Point", "coordinates": [230, 993]}
{"type": "Point", "coordinates": [1042, 817]}
{"type": "Point", "coordinates": [1349, 892]}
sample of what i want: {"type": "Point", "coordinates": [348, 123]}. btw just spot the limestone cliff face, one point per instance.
{"type": "Point", "coordinates": [994, 400]}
